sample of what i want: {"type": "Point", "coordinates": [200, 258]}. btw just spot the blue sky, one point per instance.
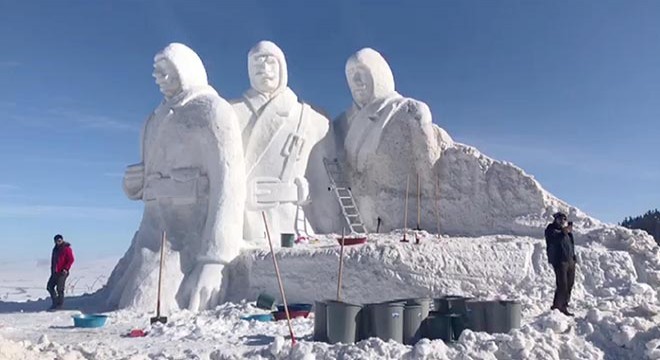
{"type": "Point", "coordinates": [568, 90]}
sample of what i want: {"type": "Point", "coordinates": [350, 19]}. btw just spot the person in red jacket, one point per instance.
{"type": "Point", "coordinates": [60, 265]}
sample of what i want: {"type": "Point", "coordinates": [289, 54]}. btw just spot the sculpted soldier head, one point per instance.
{"type": "Point", "coordinates": [267, 68]}
{"type": "Point", "coordinates": [177, 68]}
{"type": "Point", "coordinates": [369, 77]}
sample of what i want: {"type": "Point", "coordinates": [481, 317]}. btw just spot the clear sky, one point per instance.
{"type": "Point", "coordinates": [567, 90]}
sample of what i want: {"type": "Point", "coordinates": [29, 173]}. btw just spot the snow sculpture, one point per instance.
{"type": "Point", "coordinates": [384, 138]}
{"type": "Point", "coordinates": [284, 140]}
{"type": "Point", "coordinates": [192, 182]}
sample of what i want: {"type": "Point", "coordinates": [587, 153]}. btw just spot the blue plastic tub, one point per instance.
{"type": "Point", "coordinates": [89, 320]}
{"type": "Point", "coordinates": [259, 317]}
{"type": "Point", "coordinates": [296, 307]}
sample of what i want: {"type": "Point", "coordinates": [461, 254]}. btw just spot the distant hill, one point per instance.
{"type": "Point", "coordinates": [650, 222]}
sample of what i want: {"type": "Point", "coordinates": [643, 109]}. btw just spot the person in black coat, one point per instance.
{"type": "Point", "coordinates": [560, 248]}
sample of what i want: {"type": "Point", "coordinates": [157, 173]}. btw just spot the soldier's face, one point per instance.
{"type": "Point", "coordinates": [264, 72]}
{"type": "Point", "coordinates": [361, 84]}
{"type": "Point", "coordinates": [167, 78]}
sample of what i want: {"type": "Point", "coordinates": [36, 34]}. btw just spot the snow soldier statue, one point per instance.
{"type": "Point", "coordinates": [283, 141]}
{"type": "Point", "coordinates": [192, 182]}
{"type": "Point", "coordinates": [383, 138]}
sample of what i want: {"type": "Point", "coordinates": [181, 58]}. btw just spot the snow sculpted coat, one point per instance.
{"type": "Point", "coordinates": [385, 140]}
{"type": "Point", "coordinates": [283, 144]}
{"type": "Point", "coordinates": [193, 187]}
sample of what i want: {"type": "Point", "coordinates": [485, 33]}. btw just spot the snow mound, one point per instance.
{"type": "Point", "coordinates": [487, 267]}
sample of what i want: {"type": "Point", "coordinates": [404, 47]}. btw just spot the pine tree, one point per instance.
{"type": "Point", "coordinates": [649, 222]}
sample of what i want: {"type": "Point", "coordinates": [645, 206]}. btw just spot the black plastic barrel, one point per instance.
{"type": "Point", "coordinates": [450, 305]}
{"type": "Point", "coordinates": [437, 326]}
{"type": "Point", "coordinates": [457, 325]}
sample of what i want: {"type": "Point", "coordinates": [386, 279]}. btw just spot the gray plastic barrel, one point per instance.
{"type": "Point", "coordinates": [320, 321]}
{"type": "Point", "coordinates": [342, 322]}
{"type": "Point", "coordinates": [425, 303]}
{"type": "Point", "coordinates": [437, 326]}
{"type": "Point", "coordinates": [450, 304]}
{"type": "Point", "coordinates": [502, 316]}
{"type": "Point", "coordinates": [386, 321]}
{"type": "Point", "coordinates": [413, 316]}
{"type": "Point", "coordinates": [476, 315]}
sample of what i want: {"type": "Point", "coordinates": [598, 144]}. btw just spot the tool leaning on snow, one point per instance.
{"type": "Point", "coordinates": [279, 279]}
{"type": "Point", "coordinates": [158, 318]}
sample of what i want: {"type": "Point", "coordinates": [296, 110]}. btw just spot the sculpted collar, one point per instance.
{"type": "Point", "coordinates": [282, 101]}
{"type": "Point", "coordinates": [184, 97]}
{"type": "Point", "coordinates": [258, 101]}
{"type": "Point", "coordinates": [373, 109]}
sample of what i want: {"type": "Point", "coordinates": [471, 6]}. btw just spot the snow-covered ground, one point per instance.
{"type": "Point", "coordinates": [616, 313]}
{"type": "Point", "coordinates": [26, 280]}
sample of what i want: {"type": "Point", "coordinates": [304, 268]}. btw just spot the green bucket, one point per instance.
{"type": "Point", "coordinates": [265, 301]}
{"type": "Point", "coordinates": [287, 240]}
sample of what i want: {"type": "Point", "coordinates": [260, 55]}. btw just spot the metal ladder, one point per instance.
{"type": "Point", "coordinates": [342, 190]}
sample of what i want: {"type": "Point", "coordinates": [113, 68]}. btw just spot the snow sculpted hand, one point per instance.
{"type": "Point", "coordinates": [204, 286]}
{"type": "Point", "coordinates": [303, 190]}
{"type": "Point", "coordinates": [134, 181]}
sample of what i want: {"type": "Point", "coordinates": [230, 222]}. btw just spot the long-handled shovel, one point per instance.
{"type": "Point", "coordinates": [158, 318]}
{"type": "Point", "coordinates": [279, 280]}
{"type": "Point", "coordinates": [405, 211]}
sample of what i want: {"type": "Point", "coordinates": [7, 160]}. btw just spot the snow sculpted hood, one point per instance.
{"type": "Point", "coordinates": [376, 65]}
{"type": "Point", "coordinates": [269, 48]}
{"type": "Point", "coordinates": [188, 65]}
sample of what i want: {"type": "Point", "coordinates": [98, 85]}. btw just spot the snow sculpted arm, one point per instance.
{"type": "Point", "coordinates": [133, 182]}
{"type": "Point", "coordinates": [423, 139]}
{"type": "Point", "coordinates": [223, 231]}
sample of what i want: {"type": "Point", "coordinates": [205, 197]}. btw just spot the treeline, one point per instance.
{"type": "Point", "coordinates": [650, 222]}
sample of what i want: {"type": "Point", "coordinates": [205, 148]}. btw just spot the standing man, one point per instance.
{"type": "Point", "coordinates": [60, 265]}
{"type": "Point", "coordinates": [285, 141]}
{"type": "Point", "coordinates": [560, 248]}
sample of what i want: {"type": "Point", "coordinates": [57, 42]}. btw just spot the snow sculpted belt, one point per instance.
{"type": "Point", "coordinates": [160, 187]}
{"type": "Point", "coordinates": [269, 192]}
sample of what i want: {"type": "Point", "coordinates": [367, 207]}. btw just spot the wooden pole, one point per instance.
{"type": "Point", "coordinates": [405, 210]}
{"type": "Point", "coordinates": [341, 264]}
{"type": "Point", "coordinates": [419, 203]}
{"type": "Point", "coordinates": [437, 205]}
{"type": "Point", "coordinates": [279, 279]}
{"type": "Point", "coordinates": [160, 272]}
